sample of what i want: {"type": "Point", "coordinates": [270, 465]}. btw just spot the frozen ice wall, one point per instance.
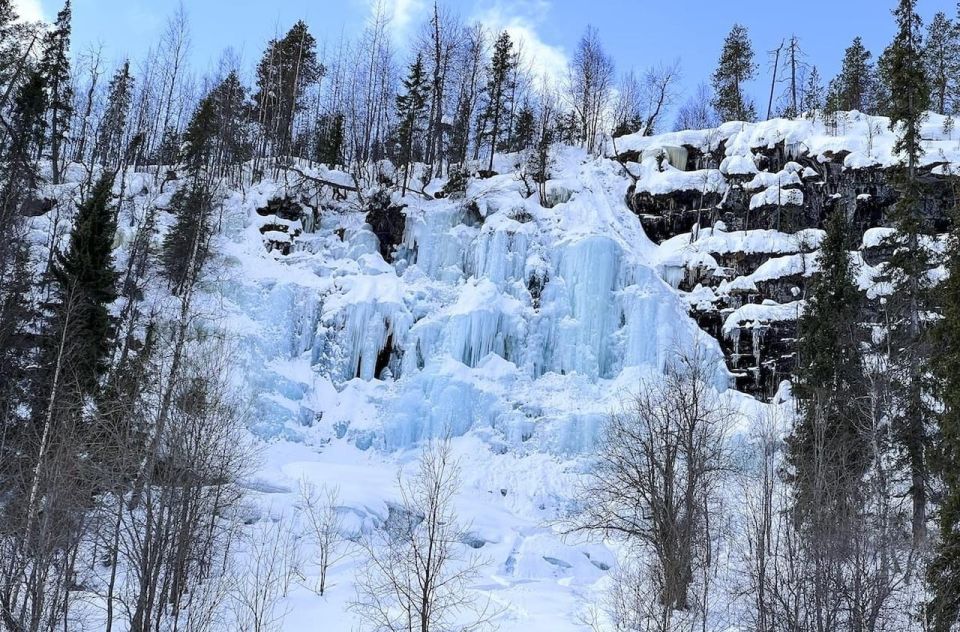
{"type": "Point", "coordinates": [498, 316]}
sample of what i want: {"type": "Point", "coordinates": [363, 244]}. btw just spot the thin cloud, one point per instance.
{"type": "Point", "coordinates": [28, 10]}
{"type": "Point", "coordinates": [403, 15]}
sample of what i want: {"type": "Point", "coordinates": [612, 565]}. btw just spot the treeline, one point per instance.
{"type": "Point", "coordinates": [459, 93]}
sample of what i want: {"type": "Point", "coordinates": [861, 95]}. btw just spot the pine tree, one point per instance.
{"type": "Point", "coordinates": [853, 87]}
{"type": "Point", "coordinates": [55, 68]}
{"type": "Point", "coordinates": [498, 91]}
{"type": "Point", "coordinates": [411, 109]}
{"type": "Point", "coordinates": [941, 57]}
{"type": "Point", "coordinates": [828, 451]}
{"type": "Point", "coordinates": [943, 610]}
{"type": "Point", "coordinates": [108, 148]}
{"type": "Point", "coordinates": [287, 68]}
{"type": "Point", "coordinates": [85, 285]}
{"type": "Point", "coordinates": [735, 68]}
{"type": "Point", "coordinates": [901, 67]}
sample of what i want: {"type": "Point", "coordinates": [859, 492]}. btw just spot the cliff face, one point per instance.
{"type": "Point", "coordinates": [739, 211]}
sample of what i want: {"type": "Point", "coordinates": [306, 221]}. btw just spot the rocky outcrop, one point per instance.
{"type": "Point", "coordinates": [282, 223]}
{"type": "Point", "coordinates": [744, 212]}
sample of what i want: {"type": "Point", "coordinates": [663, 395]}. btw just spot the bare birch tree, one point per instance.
{"type": "Point", "coordinates": [659, 466]}
{"type": "Point", "coordinates": [325, 526]}
{"type": "Point", "coordinates": [591, 76]}
{"type": "Point", "coordinates": [417, 575]}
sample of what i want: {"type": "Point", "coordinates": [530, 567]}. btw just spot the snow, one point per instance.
{"type": "Point", "coordinates": [862, 140]}
{"type": "Point", "coordinates": [765, 179]}
{"type": "Point", "coordinates": [717, 241]}
{"type": "Point", "coordinates": [752, 314]}
{"type": "Point", "coordinates": [652, 180]}
{"type": "Point", "coordinates": [803, 264]}
{"type": "Point", "coordinates": [738, 165]}
{"type": "Point", "coordinates": [776, 195]}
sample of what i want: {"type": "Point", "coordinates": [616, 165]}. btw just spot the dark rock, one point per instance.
{"type": "Point", "coordinates": [285, 208]}
{"type": "Point", "coordinates": [35, 207]}
{"type": "Point", "coordinates": [471, 214]}
{"type": "Point", "coordinates": [387, 221]}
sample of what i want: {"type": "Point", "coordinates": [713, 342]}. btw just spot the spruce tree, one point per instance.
{"type": "Point", "coordinates": [411, 109]}
{"type": "Point", "coordinates": [498, 92]}
{"type": "Point", "coordinates": [539, 162]}
{"type": "Point", "coordinates": [565, 130]}
{"type": "Point", "coordinates": [197, 150]}
{"type": "Point", "coordinates": [16, 319]}
{"type": "Point", "coordinates": [943, 574]}
{"type": "Point", "coordinates": [168, 151]}
{"type": "Point", "coordinates": [55, 68]}
{"type": "Point", "coordinates": [460, 132]}
{"type": "Point", "coordinates": [233, 145]}
{"type": "Point", "coordinates": [27, 131]}
{"type": "Point", "coordinates": [941, 57]}
{"type": "Point", "coordinates": [813, 97]}
{"type": "Point", "coordinates": [901, 66]}
{"type": "Point", "coordinates": [85, 285]}
{"type": "Point", "coordinates": [329, 148]}
{"type": "Point", "coordinates": [524, 130]}
{"type": "Point", "coordinates": [828, 450]}
{"type": "Point", "coordinates": [853, 88]}
{"type": "Point", "coordinates": [186, 244]}
{"type": "Point", "coordinates": [736, 67]}
{"type": "Point", "coordinates": [9, 45]}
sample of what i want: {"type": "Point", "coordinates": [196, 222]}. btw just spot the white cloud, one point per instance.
{"type": "Point", "coordinates": [404, 15]}
{"type": "Point", "coordinates": [29, 10]}
{"type": "Point", "coordinates": [520, 19]}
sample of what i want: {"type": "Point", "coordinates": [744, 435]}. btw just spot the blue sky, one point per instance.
{"type": "Point", "coordinates": [638, 33]}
